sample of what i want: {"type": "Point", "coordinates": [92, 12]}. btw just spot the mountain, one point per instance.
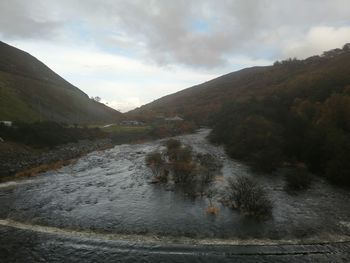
{"type": "Point", "coordinates": [292, 76]}
{"type": "Point", "coordinates": [31, 91]}
{"type": "Point", "coordinates": [295, 114]}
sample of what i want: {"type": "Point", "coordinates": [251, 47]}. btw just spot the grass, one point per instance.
{"type": "Point", "coordinates": [11, 106]}
{"type": "Point", "coordinates": [115, 128]}
{"type": "Point", "coordinates": [127, 134]}
{"type": "Point", "coordinates": [24, 99]}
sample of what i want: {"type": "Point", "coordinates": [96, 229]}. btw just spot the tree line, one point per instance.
{"type": "Point", "coordinates": [269, 131]}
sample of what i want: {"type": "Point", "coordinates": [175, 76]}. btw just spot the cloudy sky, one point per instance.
{"type": "Point", "coordinates": [130, 52]}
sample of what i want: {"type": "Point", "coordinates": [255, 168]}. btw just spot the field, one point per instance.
{"type": "Point", "coordinates": [120, 129]}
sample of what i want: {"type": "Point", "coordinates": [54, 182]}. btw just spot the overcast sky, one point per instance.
{"type": "Point", "coordinates": [130, 52]}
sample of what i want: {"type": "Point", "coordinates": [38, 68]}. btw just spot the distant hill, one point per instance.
{"type": "Point", "coordinates": [294, 77]}
{"type": "Point", "coordinates": [295, 113]}
{"type": "Point", "coordinates": [30, 91]}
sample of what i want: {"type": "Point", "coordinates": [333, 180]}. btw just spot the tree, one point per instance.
{"type": "Point", "coordinates": [97, 98]}
{"type": "Point", "coordinates": [298, 178]}
{"type": "Point", "coordinates": [247, 196]}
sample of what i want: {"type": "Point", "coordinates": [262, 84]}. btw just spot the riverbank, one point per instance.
{"type": "Point", "coordinates": [18, 160]}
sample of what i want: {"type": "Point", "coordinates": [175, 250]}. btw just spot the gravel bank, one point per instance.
{"type": "Point", "coordinates": [15, 158]}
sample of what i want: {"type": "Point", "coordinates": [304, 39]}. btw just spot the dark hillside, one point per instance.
{"type": "Point", "coordinates": [295, 112]}
{"type": "Point", "coordinates": [30, 91]}
{"type": "Point", "coordinates": [290, 78]}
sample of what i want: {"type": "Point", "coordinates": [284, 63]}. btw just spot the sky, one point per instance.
{"type": "Point", "coordinates": [131, 52]}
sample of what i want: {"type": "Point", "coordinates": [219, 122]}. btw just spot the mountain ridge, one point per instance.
{"type": "Point", "coordinates": [31, 91]}
{"type": "Point", "coordinates": [198, 102]}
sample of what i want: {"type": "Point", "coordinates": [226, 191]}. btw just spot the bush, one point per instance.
{"type": "Point", "coordinates": [171, 129]}
{"type": "Point", "coordinates": [128, 137]}
{"type": "Point", "coordinates": [209, 162]}
{"type": "Point", "coordinates": [154, 158]}
{"type": "Point", "coordinates": [184, 154]}
{"type": "Point", "coordinates": [298, 179]}
{"type": "Point", "coordinates": [48, 134]}
{"type": "Point", "coordinates": [184, 173]}
{"type": "Point", "coordinates": [155, 161]}
{"type": "Point", "coordinates": [247, 196]}
{"type": "Point", "coordinates": [192, 176]}
{"type": "Point", "coordinates": [172, 144]}
{"type": "Point", "coordinates": [181, 154]}
{"type": "Point", "coordinates": [207, 169]}
{"type": "Point", "coordinates": [338, 170]}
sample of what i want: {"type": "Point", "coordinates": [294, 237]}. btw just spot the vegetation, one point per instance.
{"type": "Point", "coordinates": [294, 111]}
{"type": "Point", "coordinates": [32, 92]}
{"type": "Point", "coordinates": [191, 173]}
{"type": "Point", "coordinates": [163, 130]}
{"type": "Point", "coordinates": [307, 121]}
{"type": "Point", "coordinates": [47, 134]}
{"type": "Point", "coordinates": [127, 134]}
{"type": "Point", "coordinates": [298, 178]}
{"type": "Point", "coordinates": [247, 196]}
{"type": "Point", "coordinates": [290, 77]}
{"type": "Point", "coordinates": [155, 161]}
{"type": "Point", "coordinates": [50, 134]}
{"type": "Point", "coordinates": [313, 131]}
{"type": "Point", "coordinates": [173, 145]}
{"type": "Point", "coordinates": [210, 193]}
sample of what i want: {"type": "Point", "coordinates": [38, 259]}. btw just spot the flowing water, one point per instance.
{"type": "Point", "coordinates": [105, 203]}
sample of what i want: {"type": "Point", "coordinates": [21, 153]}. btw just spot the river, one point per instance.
{"type": "Point", "coordinates": [104, 208]}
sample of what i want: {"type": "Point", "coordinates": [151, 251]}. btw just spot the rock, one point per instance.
{"type": "Point", "coordinates": [1, 140]}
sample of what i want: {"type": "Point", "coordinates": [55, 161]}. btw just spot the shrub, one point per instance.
{"type": "Point", "coordinates": [184, 173]}
{"type": "Point", "coordinates": [128, 137]}
{"type": "Point", "coordinates": [47, 133]}
{"type": "Point", "coordinates": [154, 158]}
{"type": "Point", "coordinates": [210, 193]}
{"type": "Point", "coordinates": [172, 144]}
{"type": "Point", "coordinates": [247, 196]}
{"type": "Point", "coordinates": [338, 170]}
{"type": "Point", "coordinates": [212, 210]}
{"type": "Point", "coordinates": [193, 177]}
{"type": "Point", "coordinates": [208, 161]}
{"type": "Point", "coordinates": [182, 154]}
{"type": "Point", "coordinates": [298, 178]}
{"type": "Point", "coordinates": [155, 161]}
{"type": "Point", "coordinates": [163, 176]}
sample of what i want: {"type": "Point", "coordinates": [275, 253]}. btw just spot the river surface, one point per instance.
{"type": "Point", "coordinates": [104, 208]}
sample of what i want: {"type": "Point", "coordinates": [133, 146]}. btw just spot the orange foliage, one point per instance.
{"type": "Point", "coordinates": [212, 210]}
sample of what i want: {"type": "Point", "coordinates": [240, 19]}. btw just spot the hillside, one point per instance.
{"type": "Point", "coordinates": [30, 91]}
{"type": "Point", "coordinates": [292, 77]}
{"type": "Point", "coordinates": [295, 113]}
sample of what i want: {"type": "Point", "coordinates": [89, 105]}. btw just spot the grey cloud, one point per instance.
{"type": "Point", "coordinates": [22, 19]}
{"type": "Point", "coordinates": [165, 28]}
